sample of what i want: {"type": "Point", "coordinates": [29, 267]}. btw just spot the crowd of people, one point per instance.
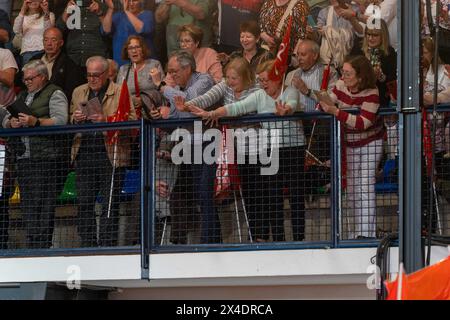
{"type": "Point", "coordinates": [187, 59]}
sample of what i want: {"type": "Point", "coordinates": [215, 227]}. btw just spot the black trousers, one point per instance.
{"type": "Point", "coordinates": [94, 178]}
{"type": "Point", "coordinates": [39, 189]}
{"type": "Point", "coordinates": [194, 186]}
{"type": "Point", "coordinates": [264, 196]}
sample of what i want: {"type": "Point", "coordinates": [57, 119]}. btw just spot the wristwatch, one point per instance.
{"type": "Point", "coordinates": [308, 93]}
{"type": "Point", "coordinates": [38, 123]}
{"type": "Point", "coordinates": [161, 84]}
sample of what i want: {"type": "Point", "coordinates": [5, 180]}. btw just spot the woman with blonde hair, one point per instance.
{"type": "Point", "coordinates": [383, 58]}
{"type": "Point", "coordinates": [33, 19]}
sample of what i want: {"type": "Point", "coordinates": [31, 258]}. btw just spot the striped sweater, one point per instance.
{"type": "Point", "coordinates": [365, 126]}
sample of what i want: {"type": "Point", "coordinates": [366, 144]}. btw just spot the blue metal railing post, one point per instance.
{"type": "Point", "coordinates": [336, 189]}
{"type": "Point", "coordinates": [145, 199]}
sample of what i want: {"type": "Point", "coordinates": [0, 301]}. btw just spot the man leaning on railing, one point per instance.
{"type": "Point", "coordinates": [38, 156]}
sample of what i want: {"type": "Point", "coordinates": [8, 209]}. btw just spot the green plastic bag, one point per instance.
{"type": "Point", "coordinates": [69, 193]}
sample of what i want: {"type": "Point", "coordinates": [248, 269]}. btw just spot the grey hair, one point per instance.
{"type": "Point", "coordinates": [313, 46]}
{"type": "Point", "coordinates": [100, 59]}
{"type": "Point", "coordinates": [38, 65]}
{"type": "Point", "coordinates": [184, 58]}
{"type": "Point", "coordinates": [113, 65]}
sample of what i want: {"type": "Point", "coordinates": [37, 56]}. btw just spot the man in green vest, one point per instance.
{"type": "Point", "coordinates": [39, 160]}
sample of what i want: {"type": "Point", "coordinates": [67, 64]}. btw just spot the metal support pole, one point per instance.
{"type": "Point", "coordinates": [147, 195]}
{"type": "Point", "coordinates": [336, 187]}
{"type": "Point", "coordinates": [410, 162]}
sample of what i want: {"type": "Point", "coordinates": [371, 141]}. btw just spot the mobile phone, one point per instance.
{"type": "Point", "coordinates": [322, 95]}
{"type": "Point", "coordinates": [83, 3]}
{"type": "Point", "coordinates": [311, 22]}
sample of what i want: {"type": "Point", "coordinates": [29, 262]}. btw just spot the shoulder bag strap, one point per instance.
{"type": "Point", "coordinates": [284, 17]}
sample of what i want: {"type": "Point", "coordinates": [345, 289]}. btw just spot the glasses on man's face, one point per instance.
{"type": "Point", "coordinates": [134, 48]}
{"type": "Point", "coordinates": [95, 75]}
{"type": "Point", "coordinates": [174, 71]}
{"type": "Point", "coordinates": [29, 79]}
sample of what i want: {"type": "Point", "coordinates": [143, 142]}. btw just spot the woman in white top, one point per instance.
{"type": "Point", "coordinates": [441, 120]}
{"type": "Point", "coordinates": [34, 18]}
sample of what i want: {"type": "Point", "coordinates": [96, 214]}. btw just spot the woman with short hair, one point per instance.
{"type": "Point", "coordinates": [137, 53]}
{"type": "Point", "coordinates": [251, 49]}
{"type": "Point", "coordinates": [190, 38]}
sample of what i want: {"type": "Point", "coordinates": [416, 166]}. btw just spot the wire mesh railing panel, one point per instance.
{"type": "Point", "coordinates": [70, 190]}
{"type": "Point", "coordinates": [436, 172]}
{"type": "Point", "coordinates": [258, 182]}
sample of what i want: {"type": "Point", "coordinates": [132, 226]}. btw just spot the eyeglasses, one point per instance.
{"type": "Point", "coordinates": [29, 79]}
{"type": "Point", "coordinates": [375, 35]}
{"type": "Point", "coordinates": [348, 74]}
{"type": "Point", "coordinates": [95, 75]}
{"type": "Point", "coordinates": [134, 48]}
{"type": "Point", "coordinates": [172, 71]}
{"type": "Point", "coordinates": [263, 81]}
{"type": "Point", "coordinates": [185, 41]}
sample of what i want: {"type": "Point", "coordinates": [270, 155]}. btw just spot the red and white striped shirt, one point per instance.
{"type": "Point", "coordinates": [365, 126]}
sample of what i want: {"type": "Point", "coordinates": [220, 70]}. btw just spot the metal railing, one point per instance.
{"type": "Point", "coordinates": [158, 206]}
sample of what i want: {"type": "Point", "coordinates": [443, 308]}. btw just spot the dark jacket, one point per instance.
{"type": "Point", "coordinates": [65, 74]}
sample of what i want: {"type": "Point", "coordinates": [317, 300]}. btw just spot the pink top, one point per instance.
{"type": "Point", "coordinates": [206, 60]}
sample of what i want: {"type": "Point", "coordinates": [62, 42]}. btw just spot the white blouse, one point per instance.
{"type": "Point", "coordinates": [32, 28]}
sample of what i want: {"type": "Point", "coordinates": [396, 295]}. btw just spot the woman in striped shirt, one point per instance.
{"type": "Point", "coordinates": [363, 134]}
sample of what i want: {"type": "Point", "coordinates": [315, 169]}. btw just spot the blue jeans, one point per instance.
{"type": "Point", "coordinates": [204, 176]}
{"type": "Point", "coordinates": [26, 56]}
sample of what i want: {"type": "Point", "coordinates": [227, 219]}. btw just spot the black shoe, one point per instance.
{"type": "Point", "coordinates": [365, 238]}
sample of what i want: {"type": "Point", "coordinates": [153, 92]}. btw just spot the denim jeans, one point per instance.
{"type": "Point", "coordinates": [204, 176]}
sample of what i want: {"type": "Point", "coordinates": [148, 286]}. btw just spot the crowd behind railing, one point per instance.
{"type": "Point", "coordinates": [79, 62]}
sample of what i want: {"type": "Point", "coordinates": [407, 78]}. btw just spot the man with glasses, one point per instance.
{"type": "Point", "coordinates": [95, 157]}
{"type": "Point", "coordinates": [62, 70]}
{"type": "Point", "coordinates": [195, 183]}
{"type": "Point", "coordinates": [39, 158]}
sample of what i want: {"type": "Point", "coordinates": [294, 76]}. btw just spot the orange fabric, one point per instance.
{"type": "Point", "coordinates": [431, 283]}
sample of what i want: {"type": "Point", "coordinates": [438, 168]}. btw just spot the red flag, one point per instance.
{"type": "Point", "coordinates": [430, 283]}
{"type": "Point", "coordinates": [280, 66]}
{"type": "Point", "coordinates": [227, 176]}
{"type": "Point", "coordinates": [121, 114]}
{"type": "Point", "coordinates": [427, 147]}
